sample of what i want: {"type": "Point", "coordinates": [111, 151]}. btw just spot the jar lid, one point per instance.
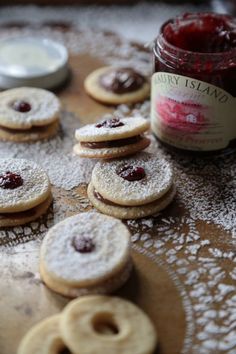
{"type": "Point", "coordinates": [32, 61]}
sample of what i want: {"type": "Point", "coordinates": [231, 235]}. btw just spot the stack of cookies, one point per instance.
{"type": "Point", "coordinates": [28, 114]}
{"type": "Point", "coordinates": [132, 187]}
{"type": "Point", "coordinates": [88, 253]}
{"type": "Point", "coordinates": [25, 192]}
{"type": "Point", "coordinates": [112, 138]}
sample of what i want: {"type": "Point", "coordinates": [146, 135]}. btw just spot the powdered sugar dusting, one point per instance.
{"type": "Point", "coordinates": [111, 251]}
{"type": "Point", "coordinates": [157, 181]}
{"type": "Point", "coordinates": [194, 239]}
{"type": "Point", "coordinates": [35, 185]}
{"type": "Point", "coordinates": [202, 257]}
{"type": "Point", "coordinates": [65, 169]}
{"type": "Point", "coordinates": [131, 127]}
{"type": "Point", "coordinates": [45, 107]}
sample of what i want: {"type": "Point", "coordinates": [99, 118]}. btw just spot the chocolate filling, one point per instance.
{"type": "Point", "coordinates": [123, 80]}
{"type": "Point", "coordinates": [35, 129]}
{"type": "Point", "coordinates": [108, 202]}
{"type": "Point", "coordinates": [112, 143]}
{"type": "Point", "coordinates": [22, 214]}
{"type": "Point", "coordinates": [100, 197]}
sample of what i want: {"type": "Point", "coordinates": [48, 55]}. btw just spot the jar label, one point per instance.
{"type": "Point", "coordinates": [191, 114]}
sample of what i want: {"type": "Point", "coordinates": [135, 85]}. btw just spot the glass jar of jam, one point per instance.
{"type": "Point", "coordinates": [194, 84]}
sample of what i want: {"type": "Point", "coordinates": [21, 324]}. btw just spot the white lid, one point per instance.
{"type": "Point", "coordinates": [32, 61]}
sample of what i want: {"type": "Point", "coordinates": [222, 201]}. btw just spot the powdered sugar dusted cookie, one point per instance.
{"type": "Point", "coordinates": [25, 191]}
{"type": "Point", "coordinates": [133, 181]}
{"type": "Point", "coordinates": [104, 324]}
{"type": "Point", "coordinates": [24, 217]}
{"type": "Point", "coordinates": [43, 338]}
{"type": "Point", "coordinates": [133, 187]}
{"type": "Point", "coordinates": [112, 138]}
{"type": "Point", "coordinates": [33, 134]}
{"type": "Point", "coordinates": [129, 212]}
{"type": "Point", "coordinates": [27, 110]}
{"type": "Point", "coordinates": [113, 85]}
{"type": "Point", "coordinates": [86, 253]}
{"type": "Point", "coordinates": [112, 129]}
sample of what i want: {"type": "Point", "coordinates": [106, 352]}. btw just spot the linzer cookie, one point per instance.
{"type": "Point", "coordinates": [25, 192]}
{"type": "Point", "coordinates": [28, 114]}
{"type": "Point", "coordinates": [85, 254]}
{"type": "Point", "coordinates": [113, 85]}
{"type": "Point", "coordinates": [43, 338]}
{"type": "Point", "coordinates": [112, 138]}
{"type": "Point", "coordinates": [133, 187]}
{"type": "Point", "coordinates": [105, 324]}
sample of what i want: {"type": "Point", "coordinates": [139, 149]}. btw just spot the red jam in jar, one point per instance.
{"type": "Point", "coordinates": [194, 84]}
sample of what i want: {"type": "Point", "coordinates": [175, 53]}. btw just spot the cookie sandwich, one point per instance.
{"type": "Point", "coordinates": [112, 138]}
{"type": "Point", "coordinates": [133, 187]}
{"type": "Point", "coordinates": [28, 114]}
{"type": "Point", "coordinates": [85, 254]}
{"type": "Point", "coordinates": [25, 192]}
{"type": "Point", "coordinates": [117, 85]}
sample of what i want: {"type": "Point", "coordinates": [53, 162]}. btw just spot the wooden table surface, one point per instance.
{"type": "Point", "coordinates": [184, 274]}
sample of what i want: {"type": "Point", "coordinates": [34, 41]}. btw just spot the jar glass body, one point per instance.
{"type": "Point", "coordinates": [217, 69]}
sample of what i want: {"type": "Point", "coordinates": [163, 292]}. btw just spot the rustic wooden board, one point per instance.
{"type": "Point", "coordinates": [184, 266]}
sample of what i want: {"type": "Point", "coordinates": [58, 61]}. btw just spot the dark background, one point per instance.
{"type": "Point", "coordinates": [96, 2]}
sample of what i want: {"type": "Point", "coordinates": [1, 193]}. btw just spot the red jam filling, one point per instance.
{"type": "Point", "coordinates": [21, 106]}
{"type": "Point", "coordinates": [132, 173]}
{"type": "Point", "coordinates": [206, 33]}
{"type": "Point", "coordinates": [10, 180]}
{"type": "Point", "coordinates": [200, 46]}
{"type": "Point", "coordinates": [83, 244]}
{"type": "Point", "coordinates": [110, 123]}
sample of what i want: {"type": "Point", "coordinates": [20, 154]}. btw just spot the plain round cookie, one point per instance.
{"type": "Point", "coordinates": [95, 90]}
{"type": "Point", "coordinates": [134, 212]}
{"type": "Point", "coordinates": [112, 152]}
{"type": "Point", "coordinates": [31, 135]}
{"type": "Point", "coordinates": [158, 180]}
{"type": "Point", "coordinates": [24, 217]}
{"type": "Point", "coordinates": [45, 108]}
{"type": "Point", "coordinates": [43, 338]}
{"type": "Point", "coordinates": [103, 324]}
{"type": "Point", "coordinates": [72, 271]}
{"type": "Point", "coordinates": [132, 126]}
{"type": "Point", "coordinates": [35, 190]}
